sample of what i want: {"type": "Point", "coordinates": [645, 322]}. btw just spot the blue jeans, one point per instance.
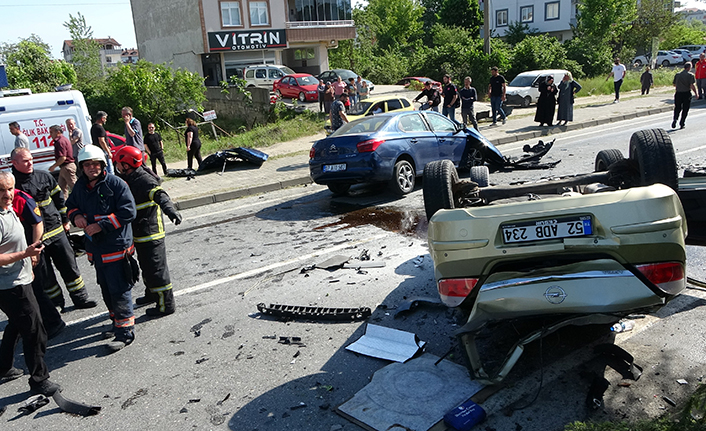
{"type": "Point", "coordinates": [449, 112]}
{"type": "Point", "coordinates": [496, 106]}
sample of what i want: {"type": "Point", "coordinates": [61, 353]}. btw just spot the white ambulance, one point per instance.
{"type": "Point", "coordinates": [35, 113]}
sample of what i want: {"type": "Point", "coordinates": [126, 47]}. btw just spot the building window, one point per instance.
{"type": "Point", "coordinates": [551, 11]}
{"type": "Point", "coordinates": [230, 14]}
{"type": "Point", "coordinates": [527, 13]}
{"type": "Point", "coordinates": [304, 54]}
{"type": "Point", "coordinates": [258, 13]}
{"type": "Point", "coordinates": [501, 18]}
{"type": "Point", "coordinates": [108, 59]}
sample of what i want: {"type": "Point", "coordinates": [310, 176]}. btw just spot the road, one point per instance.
{"type": "Point", "coordinates": [218, 364]}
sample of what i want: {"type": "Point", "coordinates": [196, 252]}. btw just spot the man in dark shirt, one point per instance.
{"type": "Point", "coordinates": [468, 95]}
{"type": "Point", "coordinates": [100, 139]}
{"type": "Point", "coordinates": [683, 84]}
{"type": "Point", "coordinates": [133, 129]}
{"type": "Point", "coordinates": [338, 112]}
{"type": "Point", "coordinates": [155, 148]}
{"type": "Point", "coordinates": [432, 95]}
{"type": "Point", "coordinates": [451, 101]}
{"type": "Point", "coordinates": [64, 154]}
{"type": "Point", "coordinates": [496, 90]}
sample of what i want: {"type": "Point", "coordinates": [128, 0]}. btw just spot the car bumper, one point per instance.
{"type": "Point", "coordinates": [513, 99]}
{"type": "Point", "coordinates": [361, 168]}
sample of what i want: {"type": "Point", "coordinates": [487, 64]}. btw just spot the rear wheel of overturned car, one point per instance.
{"type": "Point", "coordinates": [339, 189]}
{"type": "Point", "coordinates": [605, 158]}
{"type": "Point", "coordinates": [440, 178]}
{"type": "Point", "coordinates": [403, 178]}
{"type": "Point", "coordinates": [653, 151]}
{"type": "Point", "coordinates": [480, 175]}
{"type": "Point", "coordinates": [302, 97]}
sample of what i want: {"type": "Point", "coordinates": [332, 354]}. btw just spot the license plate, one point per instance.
{"type": "Point", "coordinates": [335, 168]}
{"type": "Point", "coordinates": [540, 230]}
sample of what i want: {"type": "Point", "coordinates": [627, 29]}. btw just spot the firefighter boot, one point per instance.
{"type": "Point", "coordinates": [149, 298]}
{"type": "Point", "coordinates": [123, 337]}
{"type": "Point", "coordinates": [165, 305]}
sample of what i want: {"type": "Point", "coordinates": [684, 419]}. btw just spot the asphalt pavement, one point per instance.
{"type": "Point", "coordinates": [288, 162]}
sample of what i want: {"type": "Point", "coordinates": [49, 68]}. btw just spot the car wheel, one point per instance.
{"type": "Point", "coordinates": [403, 178]}
{"type": "Point", "coordinates": [474, 158]}
{"type": "Point", "coordinates": [278, 94]}
{"type": "Point", "coordinates": [480, 175]}
{"type": "Point", "coordinates": [605, 158]}
{"type": "Point", "coordinates": [440, 178]}
{"type": "Point", "coordinates": [638, 63]}
{"type": "Point", "coordinates": [665, 63]}
{"type": "Point", "coordinates": [526, 102]}
{"type": "Point", "coordinates": [339, 189]}
{"type": "Point", "coordinates": [302, 97]}
{"type": "Point", "coordinates": [653, 151]}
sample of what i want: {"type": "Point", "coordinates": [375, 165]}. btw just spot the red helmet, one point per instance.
{"type": "Point", "coordinates": [130, 155]}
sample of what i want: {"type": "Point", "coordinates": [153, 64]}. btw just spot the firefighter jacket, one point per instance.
{"type": "Point", "coordinates": [110, 204]}
{"type": "Point", "coordinates": [44, 189]}
{"type": "Point", "coordinates": [151, 200]}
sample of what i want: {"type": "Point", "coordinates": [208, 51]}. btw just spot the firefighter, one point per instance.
{"type": "Point", "coordinates": [101, 204]}
{"type": "Point", "coordinates": [148, 229]}
{"type": "Point", "coordinates": [44, 189]}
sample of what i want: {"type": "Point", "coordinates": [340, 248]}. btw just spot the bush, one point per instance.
{"type": "Point", "coordinates": [541, 52]}
{"type": "Point", "coordinates": [594, 57]}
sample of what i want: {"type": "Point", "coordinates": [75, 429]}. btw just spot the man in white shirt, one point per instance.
{"type": "Point", "coordinates": [618, 73]}
{"type": "Point", "coordinates": [21, 140]}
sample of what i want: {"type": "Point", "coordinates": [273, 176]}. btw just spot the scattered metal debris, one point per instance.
{"type": "Point", "coordinates": [195, 400]}
{"type": "Point", "coordinates": [130, 401]}
{"type": "Point", "coordinates": [297, 341]}
{"type": "Point", "coordinates": [411, 304]}
{"type": "Point", "coordinates": [289, 312]}
{"type": "Point", "coordinates": [201, 360]}
{"type": "Point", "coordinates": [682, 382]}
{"type": "Point", "coordinates": [387, 343]}
{"type": "Point", "coordinates": [74, 407]}
{"type": "Point", "coordinates": [669, 401]}
{"type": "Point", "coordinates": [301, 405]}
{"type": "Point", "coordinates": [334, 262]}
{"type": "Point", "coordinates": [196, 329]}
{"type": "Point", "coordinates": [364, 255]}
{"type": "Point", "coordinates": [369, 264]}
{"type": "Point", "coordinates": [179, 353]}
{"type": "Point", "coordinates": [223, 400]}
{"type": "Point", "coordinates": [32, 404]}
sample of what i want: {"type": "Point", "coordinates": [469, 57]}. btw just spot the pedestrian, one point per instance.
{"type": "Point", "coordinates": [75, 137]}
{"type": "Point", "coordinates": [321, 88]}
{"type": "Point", "coordinates": [567, 91]}
{"type": "Point", "coordinates": [451, 101]}
{"type": "Point", "coordinates": [646, 81]}
{"type": "Point", "coordinates": [339, 87]}
{"type": "Point", "coordinates": [618, 73]}
{"type": "Point", "coordinates": [496, 91]}
{"type": "Point", "coordinates": [328, 98]}
{"type": "Point", "coordinates": [64, 159]}
{"type": "Point", "coordinates": [364, 91]}
{"type": "Point", "coordinates": [43, 188]}
{"type": "Point", "coordinates": [433, 97]}
{"type": "Point", "coordinates": [133, 129]}
{"type": "Point", "coordinates": [154, 146]}
{"type": "Point", "coordinates": [546, 102]}
{"type": "Point", "coordinates": [100, 139]}
{"type": "Point", "coordinates": [700, 76]}
{"type": "Point", "coordinates": [352, 92]}
{"type": "Point", "coordinates": [338, 112]}
{"type": "Point", "coordinates": [683, 84]}
{"type": "Point", "coordinates": [16, 298]}
{"type": "Point", "coordinates": [148, 230]}
{"type": "Point", "coordinates": [21, 140]}
{"type": "Point", "coordinates": [103, 207]}
{"type": "Point", "coordinates": [359, 87]}
{"type": "Point", "coordinates": [468, 96]}
{"type": "Point", "coordinates": [193, 143]}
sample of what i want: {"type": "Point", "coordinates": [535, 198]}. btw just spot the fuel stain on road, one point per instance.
{"type": "Point", "coordinates": [406, 222]}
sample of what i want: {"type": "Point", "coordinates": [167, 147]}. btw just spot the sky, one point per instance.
{"type": "Point", "coordinates": [46, 19]}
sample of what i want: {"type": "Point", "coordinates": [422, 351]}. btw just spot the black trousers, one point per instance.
{"type": "Point", "coordinates": [22, 310]}
{"type": "Point", "coordinates": [61, 254]}
{"type": "Point", "coordinates": [195, 151]}
{"type": "Point", "coordinates": [158, 156]}
{"type": "Point", "coordinates": [682, 103]}
{"type": "Point", "coordinates": [616, 86]}
{"type": "Point", "coordinates": [152, 257]}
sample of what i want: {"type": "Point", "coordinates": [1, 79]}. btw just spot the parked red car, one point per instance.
{"type": "Point", "coordinates": [300, 86]}
{"type": "Point", "coordinates": [421, 79]}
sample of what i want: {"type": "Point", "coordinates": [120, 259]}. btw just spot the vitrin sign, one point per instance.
{"type": "Point", "coordinates": [246, 40]}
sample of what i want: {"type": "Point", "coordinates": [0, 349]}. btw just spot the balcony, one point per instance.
{"type": "Point", "coordinates": [319, 24]}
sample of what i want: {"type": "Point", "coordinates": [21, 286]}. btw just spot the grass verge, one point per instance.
{"type": "Point", "coordinates": [599, 85]}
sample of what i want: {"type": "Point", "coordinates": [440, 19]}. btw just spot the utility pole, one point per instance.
{"type": "Point", "coordinates": [486, 26]}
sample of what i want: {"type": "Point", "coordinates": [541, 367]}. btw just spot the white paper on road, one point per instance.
{"type": "Point", "coordinates": [387, 343]}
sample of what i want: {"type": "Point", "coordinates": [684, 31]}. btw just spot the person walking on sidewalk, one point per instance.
{"type": "Point", "coordinates": [468, 95]}
{"type": "Point", "coordinates": [451, 100]}
{"type": "Point", "coordinates": [16, 298]}
{"type": "Point", "coordinates": [64, 159]}
{"type": "Point", "coordinates": [646, 81]}
{"type": "Point", "coordinates": [618, 73]}
{"type": "Point", "coordinates": [43, 188]}
{"type": "Point", "coordinates": [102, 205]}
{"type": "Point", "coordinates": [193, 143]}
{"type": "Point", "coordinates": [148, 230]}
{"type": "Point", "coordinates": [496, 91]}
{"type": "Point", "coordinates": [567, 90]}
{"type": "Point", "coordinates": [683, 84]}
{"type": "Point", "coordinates": [155, 148]}
{"type": "Point", "coordinates": [701, 76]}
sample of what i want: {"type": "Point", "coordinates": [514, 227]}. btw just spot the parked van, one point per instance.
{"type": "Point", "coordinates": [264, 75]}
{"type": "Point", "coordinates": [35, 113]}
{"type": "Point", "coordinates": [524, 89]}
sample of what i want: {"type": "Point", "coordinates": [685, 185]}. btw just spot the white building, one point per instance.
{"type": "Point", "coordinates": [554, 17]}
{"type": "Point", "coordinates": [110, 51]}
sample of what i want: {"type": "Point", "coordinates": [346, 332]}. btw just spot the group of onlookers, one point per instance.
{"type": "Point", "coordinates": [355, 90]}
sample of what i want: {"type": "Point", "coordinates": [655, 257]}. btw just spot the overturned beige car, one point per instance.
{"type": "Point", "coordinates": [587, 249]}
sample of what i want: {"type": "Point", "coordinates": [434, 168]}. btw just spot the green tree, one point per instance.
{"type": "Point", "coordinates": [654, 19]}
{"type": "Point", "coordinates": [604, 23]}
{"type": "Point", "coordinates": [461, 13]}
{"type": "Point", "coordinates": [684, 32]}
{"type": "Point", "coordinates": [29, 65]}
{"type": "Point", "coordinates": [516, 32]}
{"type": "Point", "coordinates": [595, 58]}
{"type": "Point", "coordinates": [541, 52]}
{"type": "Point", "coordinates": [394, 22]}
{"type": "Point", "coordinates": [85, 56]}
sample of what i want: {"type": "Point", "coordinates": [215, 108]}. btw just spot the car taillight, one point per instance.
{"type": "Point", "coordinates": [369, 145]}
{"type": "Point", "coordinates": [667, 276]}
{"type": "Point", "coordinates": [312, 152]}
{"type": "Point", "coordinates": [454, 290]}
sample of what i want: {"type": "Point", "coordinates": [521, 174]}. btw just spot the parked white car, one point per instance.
{"type": "Point", "coordinates": [685, 53]}
{"type": "Point", "coordinates": [664, 58]}
{"type": "Point", "coordinates": [524, 89]}
{"type": "Point", "coordinates": [264, 75]}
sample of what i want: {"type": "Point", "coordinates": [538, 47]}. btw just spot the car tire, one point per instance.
{"type": "Point", "coordinates": [605, 158]}
{"type": "Point", "coordinates": [638, 63]}
{"type": "Point", "coordinates": [666, 63]}
{"type": "Point", "coordinates": [403, 177]}
{"type": "Point", "coordinates": [278, 94]}
{"type": "Point", "coordinates": [653, 151]}
{"type": "Point", "coordinates": [302, 97]}
{"type": "Point", "coordinates": [439, 181]}
{"type": "Point", "coordinates": [339, 189]}
{"type": "Point", "coordinates": [526, 102]}
{"type": "Point", "coordinates": [480, 175]}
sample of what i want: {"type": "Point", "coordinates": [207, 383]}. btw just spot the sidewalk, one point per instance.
{"type": "Point", "coordinates": [288, 163]}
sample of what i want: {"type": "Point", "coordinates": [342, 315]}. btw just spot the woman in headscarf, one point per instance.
{"type": "Point", "coordinates": [567, 88]}
{"type": "Point", "coordinates": [546, 102]}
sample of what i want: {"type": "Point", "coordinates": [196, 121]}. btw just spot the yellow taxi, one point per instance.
{"type": "Point", "coordinates": [374, 105]}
